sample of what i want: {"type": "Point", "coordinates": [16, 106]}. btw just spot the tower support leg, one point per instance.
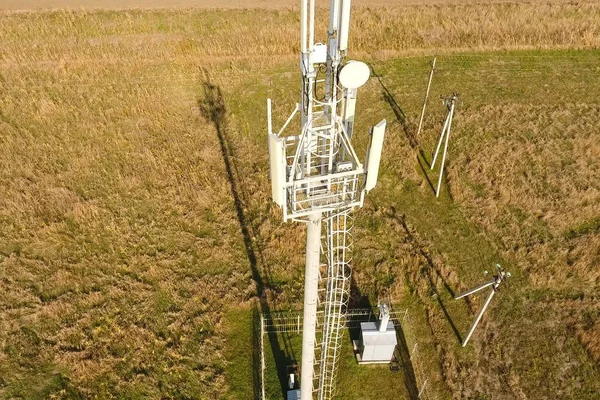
{"type": "Point", "coordinates": [311, 286]}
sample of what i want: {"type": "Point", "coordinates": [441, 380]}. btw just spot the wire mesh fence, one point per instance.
{"type": "Point", "coordinates": [291, 322]}
{"type": "Point", "coordinates": [416, 359]}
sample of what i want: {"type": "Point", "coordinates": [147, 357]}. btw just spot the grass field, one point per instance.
{"type": "Point", "coordinates": [137, 235]}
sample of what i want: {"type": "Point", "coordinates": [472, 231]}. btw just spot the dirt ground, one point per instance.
{"type": "Point", "coordinates": [22, 5]}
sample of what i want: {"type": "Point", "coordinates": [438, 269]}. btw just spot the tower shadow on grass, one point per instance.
{"type": "Point", "coordinates": [212, 107]}
{"type": "Point", "coordinates": [401, 353]}
{"type": "Point", "coordinates": [431, 271]}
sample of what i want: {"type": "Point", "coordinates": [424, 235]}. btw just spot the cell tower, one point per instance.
{"type": "Point", "coordinates": [317, 177]}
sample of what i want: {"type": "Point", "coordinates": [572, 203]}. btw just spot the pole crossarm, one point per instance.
{"type": "Point", "coordinates": [476, 289]}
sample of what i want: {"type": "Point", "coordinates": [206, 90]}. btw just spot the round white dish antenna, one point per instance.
{"type": "Point", "coordinates": [354, 74]}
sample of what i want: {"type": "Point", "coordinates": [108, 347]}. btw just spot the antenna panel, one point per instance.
{"type": "Point", "coordinates": [349, 106]}
{"type": "Point", "coordinates": [344, 25]}
{"type": "Point", "coordinates": [277, 167]}
{"type": "Point", "coordinates": [375, 155]}
{"type": "Point", "coordinates": [333, 15]}
{"type": "Point", "coordinates": [349, 109]}
{"type": "Point", "coordinates": [354, 74]}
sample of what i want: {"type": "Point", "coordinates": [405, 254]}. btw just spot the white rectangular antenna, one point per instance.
{"type": "Point", "coordinates": [311, 25]}
{"type": "Point", "coordinates": [269, 118]}
{"type": "Point", "coordinates": [333, 15]}
{"type": "Point", "coordinates": [349, 108]}
{"type": "Point", "coordinates": [344, 26]}
{"type": "Point", "coordinates": [277, 167]}
{"type": "Point", "coordinates": [303, 35]}
{"type": "Point", "coordinates": [374, 156]}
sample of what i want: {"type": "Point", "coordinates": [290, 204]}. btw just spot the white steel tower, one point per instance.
{"type": "Point", "coordinates": [317, 177]}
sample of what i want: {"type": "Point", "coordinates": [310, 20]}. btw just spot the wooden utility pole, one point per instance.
{"type": "Point", "coordinates": [426, 96]}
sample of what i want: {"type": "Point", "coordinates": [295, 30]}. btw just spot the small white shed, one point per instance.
{"type": "Point", "coordinates": [375, 345]}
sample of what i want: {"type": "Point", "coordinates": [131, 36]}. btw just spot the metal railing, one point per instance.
{"type": "Point", "coordinates": [291, 322]}
{"type": "Point", "coordinates": [323, 172]}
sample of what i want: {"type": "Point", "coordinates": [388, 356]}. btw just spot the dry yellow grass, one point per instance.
{"type": "Point", "coordinates": [25, 5]}
{"type": "Point", "coordinates": [120, 236]}
{"type": "Point", "coordinates": [531, 179]}
{"type": "Point", "coordinates": [146, 38]}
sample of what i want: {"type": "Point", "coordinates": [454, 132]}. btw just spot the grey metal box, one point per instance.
{"type": "Point", "coordinates": [376, 346]}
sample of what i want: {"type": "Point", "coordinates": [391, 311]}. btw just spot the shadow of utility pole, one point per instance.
{"type": "Point", "coordinates": [389, 98]}
{"type": "Point", "coordinates": [424, 165]}
{"type": "Point", "coordinates": [213, 107]}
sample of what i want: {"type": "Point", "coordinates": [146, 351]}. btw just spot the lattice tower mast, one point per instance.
{"type": "Point", "coordinates": [316, 176]}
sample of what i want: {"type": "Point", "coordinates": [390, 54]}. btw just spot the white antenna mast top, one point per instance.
{"type": "Point", "coordinates": [318, 170]}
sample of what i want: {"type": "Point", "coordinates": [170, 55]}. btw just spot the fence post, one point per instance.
{"type": "Point", "coordinates": [426, 96]}
{"type": "Point", "coordinates": [262, 357]}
